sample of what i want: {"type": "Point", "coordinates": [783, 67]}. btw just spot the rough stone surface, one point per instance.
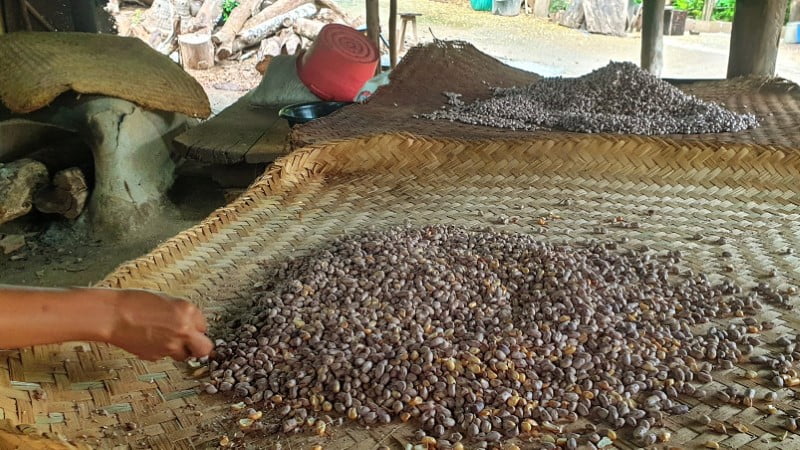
{"type": "Point", "coordinates": [19, 181]}
{"type": "Point", "coordinates": [67, 196]}
{"type": "Point", "coordinates": [10, 243]}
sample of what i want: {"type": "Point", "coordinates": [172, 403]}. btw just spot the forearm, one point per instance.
{"type": "Point", "coordinates": [43, 316]}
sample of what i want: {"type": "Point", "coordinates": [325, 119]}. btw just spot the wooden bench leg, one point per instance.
{"type": "Point", "coordinates": [414, 29]}
{"type": "Point", "coordinates": [403, 35]}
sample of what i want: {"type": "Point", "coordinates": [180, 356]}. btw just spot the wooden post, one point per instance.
{"type": "Point", "coordinates": [374, 28]}
{"type": "Point", "coordinates": [756, 34]}
{"type": "Point", "coordinates": [23, 6]}
{"type": "Point", "coordinates": [653, 36]}
{"type": "Point", "coordinates": [393, 33]}
{"type": "Point", "coordinates": [794, 12]}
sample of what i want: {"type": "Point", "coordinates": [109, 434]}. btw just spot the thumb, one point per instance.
{"type": "Point", "coordinates": [199, 345]}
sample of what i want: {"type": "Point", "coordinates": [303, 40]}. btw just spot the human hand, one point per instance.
{"type": "Point", "coordinates": [152, 325]}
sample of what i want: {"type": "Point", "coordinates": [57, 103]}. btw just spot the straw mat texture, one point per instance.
{"type": "Point", "coordinates": [418, 82]}
{"type": "Point", "coordinates": [45, 65]}
{"type": "Point", "coordinates": [749, 194]}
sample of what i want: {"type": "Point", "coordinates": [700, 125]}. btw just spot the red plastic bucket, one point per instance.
{"type": "Point", "coordinates": [338, 63]}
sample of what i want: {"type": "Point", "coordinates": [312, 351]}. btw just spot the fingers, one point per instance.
{"type": "Point", "coordinates": [199, 345]}
{"type": "Point", "coordinates": [200, 321]}
{"type": "Point", "coordinates": [181, 353]}
{"type": "Point", "coordinates": [191, 314]}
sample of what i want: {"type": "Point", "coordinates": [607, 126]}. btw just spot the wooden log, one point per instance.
{"type": "Point", "coordinates": [184, 14]}
{"type": "Point", "coordinates": [269, 48]}
{"type": "Point", "coordinates": [276, 9]}
{"type": "Point", "coordinates": [333, 6]}
{"type": "Point", "coordinates": [283, 35]}
{"type": "Point", "coordinates": [653, 36]}
{"type": "Point", "coordinates": [197, 51]}
{"type": "Point", "coordinates": [66, 197]}
{"type": "Point", "coordinates": [263, 64]}
{"type": "Point", "coordinates": [225, 36]}
{"type": "Point", "coordinates": [207, 16]}
{"type": "Point", "coordinates": [573, 16]}
{"type": "Point", "coordinates": [254, 35]}
{"type": "Point", "coordinates": [291, 43]}
{"type": "Point", "coordinates": [755, 37]}
{"type": "Point", "coordinates": [329, 16]}
{"type": "Point", "coordinates": [307, 28]}
{"type": "Point", "coordinates": [374, 26]}
{"type": "Point", "coordinates": [392, 33]}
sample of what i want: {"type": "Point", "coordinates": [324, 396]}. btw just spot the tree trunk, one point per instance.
{"type": "Point", "coordinates": [207, 16]}
{"type": "Point", "coordinates": [794, 12]}
{"type": "Point", "coordinates": [307, 28]}
{"type": "Point", "coordinates": [254, 35]}
{"type": "Point", "coordinates": [225, 36]}
{"type": "Point", "coordinates": [708, 9]}
{"type": "Point", "coordinates": [653, 36]}
{"type": "Point", "coordinates": [755, 37]}
{"type": "Point", "coordinates": [374, 26]}
{"type": "Point", "coordinates": [541, 8]}
{"type": "Point", "coordinates": [276, 9]}
{"type": "Point", "coordinates": [197, 51]}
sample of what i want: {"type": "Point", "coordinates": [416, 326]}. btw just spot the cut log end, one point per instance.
{"type": "Point", "coordinates": [197, 51]}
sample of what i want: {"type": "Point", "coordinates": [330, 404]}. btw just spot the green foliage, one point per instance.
{"type": "Point", "coordinates": [693, 7]}
{"type": "Point", "coordinates": [724, 10]}
{"type": "Point", "coordinates": [558, 5]}
{"type": "Point", "coordinates": [227, 7]}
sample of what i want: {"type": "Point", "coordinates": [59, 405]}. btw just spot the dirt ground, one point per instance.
{"type": "Point", "coordinates": [60, 253]}
{"type": "Point", "coordinates": [549, 49]}
{"type": "Point", "coordinates": [56, 255]}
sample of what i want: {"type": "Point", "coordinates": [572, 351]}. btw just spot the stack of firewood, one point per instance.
{"type": "Point", "coordinates": [193, 32]}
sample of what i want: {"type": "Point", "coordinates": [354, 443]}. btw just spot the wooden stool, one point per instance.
{"type": "Point", "coordinates": [408, 17]}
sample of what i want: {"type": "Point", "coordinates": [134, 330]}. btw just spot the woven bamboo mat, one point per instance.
{"type": "Point", "coordinates": [418, 82]}
{"type": "Point", "coordinates": [45, 65]}
{"type": "Point", "coordinates": [92, 393]}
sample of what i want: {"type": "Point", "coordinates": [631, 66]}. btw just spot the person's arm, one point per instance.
{"type": "Point", "coordinates": [147, 324]}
